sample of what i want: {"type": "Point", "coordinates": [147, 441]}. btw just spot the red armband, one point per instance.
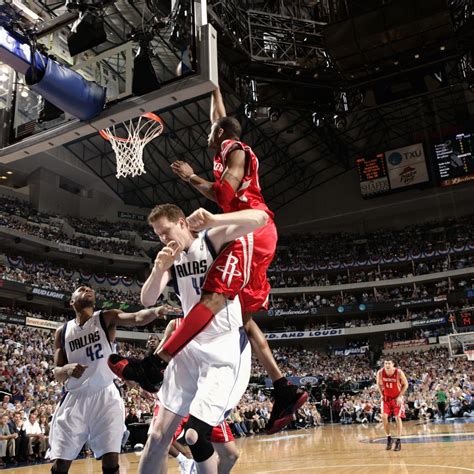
{"type": "Point", "coordinates": [224, 193]}
{"type": "Point", "coordinates": [196, 320]}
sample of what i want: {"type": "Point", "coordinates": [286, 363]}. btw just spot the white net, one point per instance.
{"type": "Point", "coordinates": [129, 150]}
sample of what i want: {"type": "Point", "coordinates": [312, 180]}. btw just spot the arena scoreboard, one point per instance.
{"type": "Point", "coordinates": [373, 175]}
{"type": "Point", "coordinates": [464, 318]}
{"type": "Point", "coordinates": [455, 160]}
{"type": "Point", "coordinates": [392, 170]}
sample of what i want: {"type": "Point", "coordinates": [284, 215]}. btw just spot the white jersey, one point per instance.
{"type": "Point", "coordinates": [88, 345]}
{"type": "Point", "coordinates": [188, 273]}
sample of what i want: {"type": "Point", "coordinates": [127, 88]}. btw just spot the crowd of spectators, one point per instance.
{"type": "Point", "coordinates": [293, 251]}
{"type": "Point", "coordinates": [53, 233]}
{"type": "Point", "coordinates": [343, 247]}
{"type": "Point", "coordinates": [292, 279]}
{"type": "Point", "coordinates": [373, 320]}
{"type": "Point", "coordinates": [54, 279]}
{"type": "Point", "coordinates": [105, 228]}
{"type": "Point", "coordinates": [344, 391]}
{"type": "Point", "coordinates": [59, 282]}
{"type": "Point", "coordinates": [20, 216]}
{"type": "Point", "coordinates": [375, 295]}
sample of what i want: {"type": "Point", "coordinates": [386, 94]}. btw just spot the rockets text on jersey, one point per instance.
{"type": "Point", "coordinates": [188, 274]}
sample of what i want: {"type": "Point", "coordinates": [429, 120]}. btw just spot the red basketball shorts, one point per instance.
{"type": "Point", "coordinates": [241, 269]}
{"type": "Point", "coordinates": [390, 407]}
{"type": "Point", "coordinates": [220, 433]}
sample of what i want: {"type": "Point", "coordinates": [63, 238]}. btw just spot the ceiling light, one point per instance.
{"type": "Point", "coordinates": [318, 119]}
{"type": "Point", "coordinates": [9, 172]}
{"type": "Point", "coordinates": [274, 114]}
{"type": "Point", "coordinates": [417, 56]}
{"type": "Point", "coordinates": [88, 31]}
{"type": "Point", "coordinates": [442, 48]}
{"type": "Point", "coordinates": [339, 121]}
{"type": "Point", "coordinates": [3, 177]}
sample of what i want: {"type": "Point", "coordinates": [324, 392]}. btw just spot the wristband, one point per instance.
{"type": "Point", "coordinates": [189, 179]}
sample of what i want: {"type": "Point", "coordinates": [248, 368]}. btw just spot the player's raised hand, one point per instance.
{"type": "Point", "coordinates": [166, 310]}
{"type": "Point", "coordinates": [76, 370]}
{"type": "Point", "coordinates": [182, 169]}
{"type": "Point", "coordinates": [200, 220]}
{"type": "Point", "coordinates": [167, 255]}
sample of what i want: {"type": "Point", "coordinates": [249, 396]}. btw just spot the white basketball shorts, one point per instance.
{"type": "Point", "coordinates": [96, 418]}
{"type": "Point", "coordinates": [208, 379]}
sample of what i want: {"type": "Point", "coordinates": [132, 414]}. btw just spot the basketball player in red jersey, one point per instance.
{"type": "Point", "coordinates": [392, 384]}
{"type": "Point", "coordinates": [237, 187]}
{"type": "Point", "coordinates": [240, 269]}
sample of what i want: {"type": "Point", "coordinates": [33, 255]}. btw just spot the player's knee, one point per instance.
{"type": "Point", "coordinates": [198, 437]}
{"type": "Point", "coordinates": [191, 436]}
{"type": "Point", "coordinates": [214, 301]}
{"type": "Point", "coordinates": [232, 456]}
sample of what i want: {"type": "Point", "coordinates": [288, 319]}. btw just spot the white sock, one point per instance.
{"type": "Point", "coordinates": [181, 458]}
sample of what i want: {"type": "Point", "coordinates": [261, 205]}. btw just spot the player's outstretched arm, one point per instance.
{"type": "Point", "coordinates": [222, 191]}
{"type": "Point", "coordinates": [115, 317]}
{"type": "Point", "coordinates": [217, 106]}
{"type": "Point", "coordinates": [224, 228]}
{"type": "Point", "coordinates": [186, 173]}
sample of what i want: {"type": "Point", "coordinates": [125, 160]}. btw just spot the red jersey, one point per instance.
{"type": "Point", "coordinates": [391, 384]}
{"type": "Point", "coordinates": [249, 195]}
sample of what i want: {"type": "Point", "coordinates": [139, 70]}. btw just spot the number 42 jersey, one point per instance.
{"type": "Point", "coordinates": [88, 345]}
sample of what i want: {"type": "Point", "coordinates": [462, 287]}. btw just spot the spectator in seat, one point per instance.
{"type": "Point", "coordinates": [7, 441]}
{"type": "Point", "coordinates": [38, 443]}
{"type": "Point", "coordinates": [17, 427]}
{"type": "Point", "coordinates": [131, 417]}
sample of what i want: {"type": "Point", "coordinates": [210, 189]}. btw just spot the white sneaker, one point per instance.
{"type": "Point", "coordinates": [187, 466]}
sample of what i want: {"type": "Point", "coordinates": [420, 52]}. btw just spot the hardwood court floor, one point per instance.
{"type": "Point", "coordinates": [352, 449]}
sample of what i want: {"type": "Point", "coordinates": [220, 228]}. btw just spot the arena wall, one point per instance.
{"type": "Point", "coordinates": [338, 205]}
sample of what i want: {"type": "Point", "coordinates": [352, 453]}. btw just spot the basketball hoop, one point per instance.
{"type": "Point", "coordinates": [469, 354]}
{"type": "Point", "coordinates": [129, 151]}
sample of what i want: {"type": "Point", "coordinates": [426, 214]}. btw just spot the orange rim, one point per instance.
{"type": "Point", "coordinates": [149, 115]}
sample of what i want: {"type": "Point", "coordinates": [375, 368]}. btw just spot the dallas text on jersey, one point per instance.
{"type": "Point", "coordinates": [191, 268]}
{"type": "Point", "coordinates": [83, 341]}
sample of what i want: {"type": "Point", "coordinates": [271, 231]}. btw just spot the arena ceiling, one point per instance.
{"type": "Point", "coordinates": [286, 70]}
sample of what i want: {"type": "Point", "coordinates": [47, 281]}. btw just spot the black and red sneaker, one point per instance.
{"type": "Point", "coordinates": [288, 400]}
{"type": "Point", "coordinates": [147, 372]}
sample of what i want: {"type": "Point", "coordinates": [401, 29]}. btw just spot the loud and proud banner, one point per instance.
{"type": "Point", "coordinates": [406, 166]}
